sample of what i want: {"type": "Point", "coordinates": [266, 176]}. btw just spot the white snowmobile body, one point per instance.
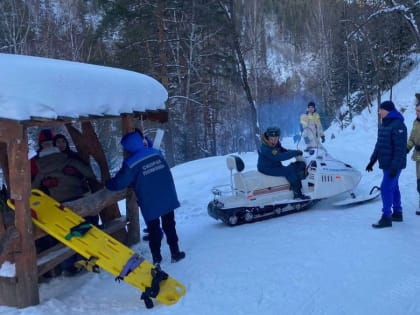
{"type": "Point", "coordinates": [252, 195]}
{"type": "Point", "coordinates": [328, 177]}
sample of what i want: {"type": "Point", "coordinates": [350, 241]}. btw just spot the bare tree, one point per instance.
{"type": "Point", "coordinates": [229, 10]}
{"type": "Point", "coordinates": [405, 10]}
{"type": "Point", "coordinates": [15, 26]}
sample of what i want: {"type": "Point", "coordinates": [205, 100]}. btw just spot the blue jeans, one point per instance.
{"type": "Point", "coordinates": [390, 193]}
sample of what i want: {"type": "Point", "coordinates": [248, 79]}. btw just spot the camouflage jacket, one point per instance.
{"type": "Point", "coordinates": [414, 140]}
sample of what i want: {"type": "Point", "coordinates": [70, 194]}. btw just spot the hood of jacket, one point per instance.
{"type": "Point", "coordinates": [394, 114]}
{"type": "Point", "coordinates": [132, 142]}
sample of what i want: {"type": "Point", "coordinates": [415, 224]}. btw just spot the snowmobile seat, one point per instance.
{"type": "Point", "coordinates": [234, 162]}
{"type": "Point", "coordinates": [252, 180]}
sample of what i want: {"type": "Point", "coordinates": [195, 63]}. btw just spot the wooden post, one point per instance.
{"type": "Point", "coordinates": [132, 209]}
{"type": "Point", "coordinates": [133, 228]}
{"type": "Point", "coordinates": [23, 291]}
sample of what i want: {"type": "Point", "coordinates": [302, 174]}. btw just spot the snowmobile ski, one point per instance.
{"type": "Point", "coordinates": [356, 199]}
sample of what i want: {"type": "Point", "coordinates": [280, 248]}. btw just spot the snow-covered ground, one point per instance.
{"type": "Point", "coordinates": [325, 260]}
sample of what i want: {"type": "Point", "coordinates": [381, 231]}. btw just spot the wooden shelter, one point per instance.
{"type": "Point", "coordinates": [17, 233]}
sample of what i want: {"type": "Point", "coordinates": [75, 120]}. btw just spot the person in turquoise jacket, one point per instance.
{"type": "Point", "coordinates": [147, 172]}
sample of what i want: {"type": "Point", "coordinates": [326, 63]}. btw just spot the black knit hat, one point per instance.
{"type": "Point", "coordinates": [387, 105]}
{"type": "Point", "coordinates": [272, 132]}
{"type": "Point", "coordinates": [60, 136]}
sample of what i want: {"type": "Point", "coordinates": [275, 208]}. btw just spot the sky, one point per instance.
{"type": "Point", "coordinates": [325, 260]}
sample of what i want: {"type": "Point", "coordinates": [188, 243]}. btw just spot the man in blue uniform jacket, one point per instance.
{"type": "Point", "coordinates": [391, 153]}
{"type": "Point", "coordinates": [146, 171]}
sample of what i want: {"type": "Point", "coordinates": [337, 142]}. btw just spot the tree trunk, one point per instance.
{"type": "Point", "coordinates": [243, 69]}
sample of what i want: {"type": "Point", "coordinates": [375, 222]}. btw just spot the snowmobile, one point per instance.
{"type": "Point", "coordinates": [253, 196]}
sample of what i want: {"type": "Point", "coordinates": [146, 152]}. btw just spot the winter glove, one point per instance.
{"type": "Point", "coordinates": [49, 182]}
{"type": "Point", "coordinates": [392, 173]}
{"type": "Point", "coordinates": [322, 139]}
{"type": "Point", "coordinates": [299, 153]}
{"type": "Point", "coordinates": [369, 167]}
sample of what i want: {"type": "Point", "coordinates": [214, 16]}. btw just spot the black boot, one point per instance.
{"type": "Point", "coordinates": [176, 254]}
{"type": "Point", "coordinates": [299, 195]}
{"type": "Point", "coordinates": [177, 257]}
{"type": "Point", "coordinates": [397, 216]}
{"type": "Point", "coordinates": [383, 223]}
{"type": "Point", "coordinates": [297, 190]}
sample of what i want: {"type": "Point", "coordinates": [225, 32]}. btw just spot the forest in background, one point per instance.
{"type": "Point", "coordinates": [231, 67]}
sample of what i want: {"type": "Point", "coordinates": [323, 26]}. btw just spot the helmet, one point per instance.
{"type": "Point", "coordinates": [272, 132]}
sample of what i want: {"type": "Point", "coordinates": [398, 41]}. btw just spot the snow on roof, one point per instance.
{"type": "Point", "coordinates": [49, 88]}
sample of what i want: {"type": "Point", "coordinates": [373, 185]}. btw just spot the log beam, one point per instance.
{"type": "Point", "coordinates": [92, 204]}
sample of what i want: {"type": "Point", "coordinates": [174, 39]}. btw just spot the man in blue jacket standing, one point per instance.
{"type": "Point", "coordinates": [146, 171]}
{"type": "Point", "coordinates": [390, 151]}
